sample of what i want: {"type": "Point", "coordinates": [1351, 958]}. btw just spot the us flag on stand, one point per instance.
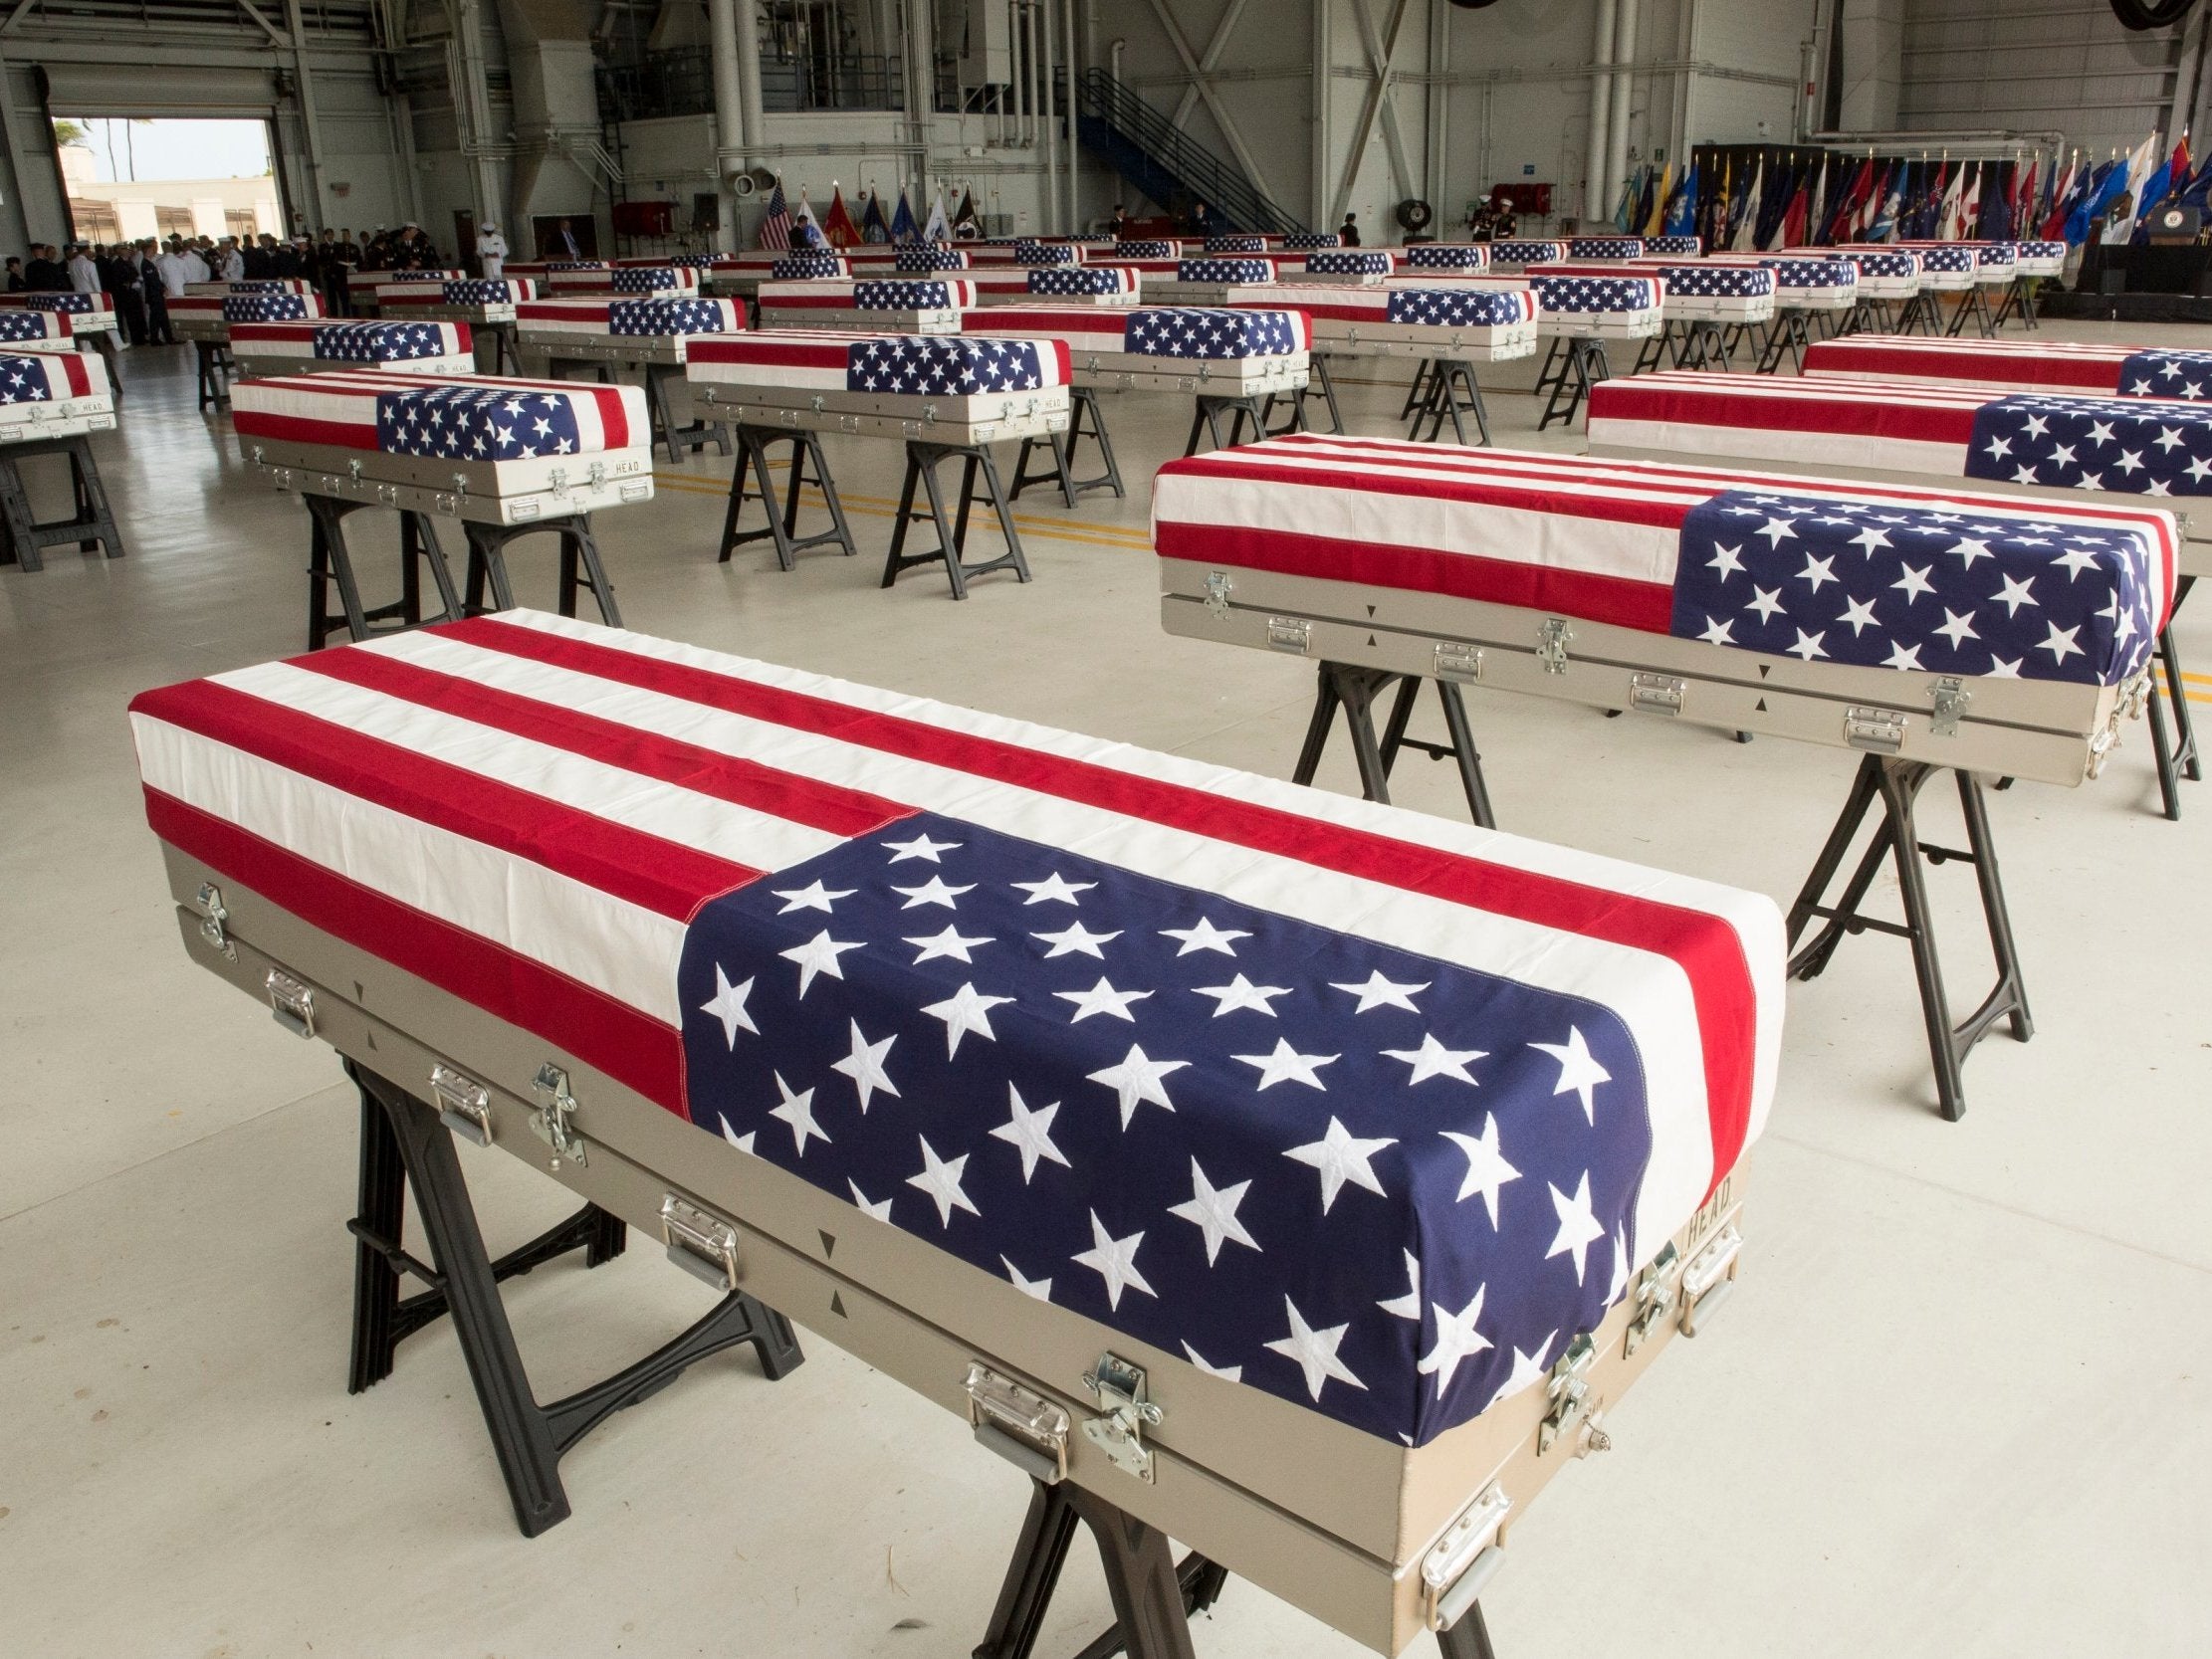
{"type": "Point", "coordinates": [775, 229]}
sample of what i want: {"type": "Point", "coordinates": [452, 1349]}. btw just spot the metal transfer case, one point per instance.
{"type": "Point", "coordinates": [53, 394]}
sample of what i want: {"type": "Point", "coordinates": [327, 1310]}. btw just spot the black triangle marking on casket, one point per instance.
{"type": "Point", "coordinates": [1765, 669]}
{"type": "Point", "coordinates": [1762, 708]}
{"type": "Point", "coordinates": [1371, 639]}
{"type": "Point", "coordinates": [1370, 610]}
{"type": "Point", "coordinates": [837, 1305]}
{"type": "Point", "coordinates": [830, 1242]}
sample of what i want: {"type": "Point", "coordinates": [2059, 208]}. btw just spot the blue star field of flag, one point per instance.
{"type": "Point", "coordinates": [23, 380]}
{"type": "Point", "coordinates": [476, 423]}
{"type": "Point", "coordinates": [1674, 245]}
{"type": "Point", "coordinates": [1446, 256]}
{"type": "Point", "coordinates": [1078, 279]}
{"type": "Point", "coordinates": [1956, 256]}
{"type": "Point", "coordinates": [1884, 264]}
{"type": "Point", "coordinates": [667, 316]}
{"type": "Point", "coordinates": [1216, 333]}
{"type": "Point", "coordinates": [1905, 587]}
{"type": "Point", "coordinates": [575, 265]}
{"type": "Point", "coordinates": [921, 261]}
{"type": "Point", "coordinates": [1455, 308]}
{"type": "Point", "coordinates": [480, 291]}
{"type": "Point", "coordinates": [265, 307]}
{"type": "Point", "coordinates": [1813, 272]}
{"type": "Point", "coordinates": [1604, 247]}
{"type": "Point", "coordinates": [1045, 253]}
{"type": "Point", "coordinates": [1349, 262]}
{"type": "Point", "coordinates": [1224, 271]}
{"type": "Point", "coordinates": [895, 295]}
{"type": "Point", "coordinates": [1520, 252]}
{"type": "Point", "coordinates": [264, 284]}
{"type": "Point", "coordinates": [1313, 239]}
{"type": "Point", "coordinates": [1371, 1182]}
{"type": "Point", "coordinates": [1237, 243]}
{"type": "Point", "coordinates": [1142, 249]}
{"type": "Point", "coordinates": [2166, 373]}
{"type": "Point", "coordinates": [1593, 294]}
{"type": "Point", "coordinates": [75, 303]}
{"type": "Point", "coordinates": [21, 326]}
{"type": "Point", "coordinates": [943, 366]}
{"type": "Point", "coordinates": [646, 279]}
{"type": "Point", "coordinates": [377, 342]}
{"type": "Point", "coordinates": [1717, 282]}
{"type": "Point", "coordinates": [808, 266]}
{"type": "Point", "coordinates": [2094, 443]}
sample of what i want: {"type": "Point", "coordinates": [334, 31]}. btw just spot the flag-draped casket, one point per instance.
{"type": "Point", "coordinates": [1443, 256]}
{"type": "Point", "coordinates": [984, 1050]}
{"type": "Point", "coordinates": [1337, 265]}
{"type": "Point", "coordinates": [1029, 251]}
{"type": "Point", "coordinates": [1213, 352]}
{"type": "Point", "coordinates": [330, 343]}
{"type": "Point", "coordinates": [482, 448]}
{"type": "Point", "coordinates": [1056, 284]}
{"type": "Point", "coordinates": [924, 259]}
{"type": "Point", "coordinates": [2035, 257]}
{"type": "Point", "coordinates": [1409, 318]}
{"type": "Point", "coordinates": [941, 388]}
{"type": "Point", "coordinates": [1676, 247]}
{"type": "Point", "coordinates": [1605, 247]}
{"type": "Point", "coordinates": [1884, 273]}
{"type": "Point", "coordinates": [809, 264]}
{"type": "Point", "coordinates": [2067, 445]}
{"type": "Point", "coordinates": [1202, 282]}
{"type": "Point", "coordinates": [1604, 304]}
{"type": "Point", "coordinates": [647, 328]}
{"type": "Point", "coordinates": [361, 286]}
{"type": "Point", "coordinates": [253, 285]}
{"type": "Point", "coordinates": [1146, 247]}
{"type": "Point", "coordinates": [29, 331]}
{"type": "Point", "coordinates": [1236, 244]}
{"type": "Point", "coordinates": [1299, 241]}
{"type": "Point", "coordinates": [1734, 290]}
{"type": "Point", "coordinates": [1986, 263]}
{"type": "Point", "coordinates": [209, 317]}
{"type": "Point", "coordinates": [477, 300]}
{"type": "Point", "coordinates": [1839, 613]}
{"type": "Point", "coordinates": [1808, 283]}
{"type": "Point", "coordinates": [89, 314]}
{"type": "Point", "coordinates": [1524, 251]}
{"type": "Point", "coordinates": [2094, 370]}
{"type": "Point", "coordinates": [53, 394]}
{"type": "Point", "coordinates": [899, 304]}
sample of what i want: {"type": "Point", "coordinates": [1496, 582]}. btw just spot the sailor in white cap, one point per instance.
{"type": "Point", "coordinates": [491, 250]}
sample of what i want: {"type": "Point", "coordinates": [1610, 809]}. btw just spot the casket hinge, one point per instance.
{"type": "Point", "coordinates": [1293, 633]}
{"type": "Point", "coordinates": [1553, 636]}
{"type": "Point", "coordinates": [1656, 1289]}
{"type": "Point", "coordinates": [1880, 731]}
{"type": "Point", "coordinates": [214, 913]}
{"type": "Point", "coordinates": [554, 1122]}
{"type": "Point", "coordinates": [1950, 700]}
{"type": "Point", "coordinates": [1456, 660]}
{"type": "Point", "coordinates": [1569, 1388]}
{"type": "Point", "coordinates": [702, 1243]}
{"type": "Point", "coordinates": [1124, 1396]}
{"type": "Point", "coordinates": [1217, 589]}
{"type": "Point", "coordinates": [464, 1105]}
{"type": "Point", "coordinates": [1017, 1423]}
{"type": "Point", "coordinates": [1710, 1277]}
{"type": "Point", "coordinates": [1657, 694]}
{"type": "Point", "coordinates": [1461, 1564]}
{"type": "Point", "coordinates": [292, 1002]}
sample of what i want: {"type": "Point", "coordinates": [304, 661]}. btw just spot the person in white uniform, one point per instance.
{"type": "Point", "coordinates": [84, 274]}
{"type": "Point", "coordinates": [491, 250]}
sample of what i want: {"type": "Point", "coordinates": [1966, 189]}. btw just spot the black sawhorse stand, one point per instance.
{"type": "Point", "coordinates": [922, 462]}
{"type": "Point", "coordinates": [212, 358]}
{"type": "Point", "coordinates": [1354, 690]}
{"type": "Point", "coordinates": [1975, 307]}
{"type": "Point", "coordinates": [506, 356]}
{"type": "Point", "coordinates": [1154, 1596]}
{"type": "Point", "coordinates": [1320, 384]}
{"type": "Point", "coordinates": [1082, 407]}
{"type": "Point", "coordinates": [2020, 301]}
{"type": "Point", "coordinates": [660, 409]}
{"type": "Point", "coordinates": [2176, 755]}
{"type": "Point", "coordinates": [1792, 332]}
{"type": "Point", "coordinates": [330, 564]}
{"type": "Point", "coordinates": [1581, 361]}
{"type": "Point", "coordinates": [405, 1143]}
{"type": "Point", "coordinates": [1922, 314]}
{"type": "Point", "coordinates": [579, 566]}
{"type": "Point", "coordinates": [91, 523]}
{"type": "Point", "coordinates": [782, 518]}
{"type": "Point", "coordinates": [1453, 391]}
{"type": "Point", "coordinates": [1212, 407]}
{"type": "Point", "coordinates": [1868, 315]}
{"type": "Point", "coordinates": [103, 341]}
{"type": "Point", "coordinates": [1702, 344]}
{"type": "Point", "coordinates": [1894, 786]}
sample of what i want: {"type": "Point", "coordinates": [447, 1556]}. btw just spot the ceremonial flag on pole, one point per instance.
{"type": "Point", "coordinates": [1791, 232]}
{"type": "Point", "coordinates": [1747, 223]}
{"type": "Point", "coordinates": [1890, 200]}
{"type": "Point", "coordinates": [873, 227]}
{"type": "Point", "coordinates": [964, 215]}
{"type": "Point", "coordinates": [939, 228]}
{"type": "Point", "coordinates": [775, 229]}
{"type": "Point", "coordinates": [838, 223]}
{"type": "Point", "coordinates": [903, 227]}
{"type": "Point", "coordinates": [1654, 205]}
{"type": "Point", "coordinates": [1681, 207]}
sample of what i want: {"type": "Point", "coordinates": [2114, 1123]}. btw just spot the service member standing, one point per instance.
{"type": "Point", "coordinates": [490, 251]}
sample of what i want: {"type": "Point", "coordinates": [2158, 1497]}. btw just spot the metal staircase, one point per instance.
{"type": "Point", "coordinates": [1165, 163]}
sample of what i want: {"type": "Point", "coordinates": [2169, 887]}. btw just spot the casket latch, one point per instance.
{"type": "Point", "coordinates": [1124, 1396]}
{"type": "Point", "coordinates": [1569, 1390]}
{"type": "Point", "coordinates": [1461, 1564]}
{"type": "Point", "coordinates": [1553, 636]}
{"type": "Point", "coordinates": [1950, 700]}
{"type": "Point", "coordinates": [1017, 1423]}
{"type": "Point", "coordinates": [1217, 589]}
{"type": "Point", "coordinates": [215, 914]}
{"type": "Point", "coordinates": [554, 1122]}
{"type": "Point", "coordinates": [1656, 1289]}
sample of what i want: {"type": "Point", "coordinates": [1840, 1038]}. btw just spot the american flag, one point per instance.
{"type": "Point", "coordinates": [1145, 249]}
{"type": "Point", "coordinates": [1866, 575]}
{"type": "Point", "coordinates": [1605, 247]}
{"type": "Point", "coordinates": [395, 412]}
{"type": "Point", "coordinates": [1028, 252]}
{"type": "Point", "coordinates": [1312, 239]}
{"type": "Point", "coordinates": [486, 290]}
{"type": "Point", "coordinates": [17, 326]}
{"type": "Point", "coordinates": [1691, 246]}
{"type": "Point", "coordinates": [1349, 262]}
{"type": "Point", "coordinates": [80, 304]}
{"type": "Point", "coordinates": [1457, 307]}
{"type": "Point", "coordinates": [921, 259]}
{"type": "Point", "coordinates": [576, 265]}
{"type": "Point", "coordinates": [1448, 255]}
{"type": "Point", "coordinates": [269, 308]}
{"type": "Point", "coordinates": [1237, 243]}
{"type": "Point", "coordinates": [935, 365]}
{"type": "Point", "coordinates": [50, 376]}
{"type": "Point", "coordinates": [1813, 272]}
{"type": "Point", "coordinates": [775, 229]}
{"type": "Point", "coordinates": [1198, 331]}
{"type": "Point", "coordinates": [893, 295]}
{"type": "Point", "coordinates": [669, 317]}
{"type": "Point", "coordinates": [1229, 271]}
{"type": "Point", "coordinates": [377, 342]}
{"type": "Point", "coordinates": [806, 265]}
{"type": "Point", "coordinates": [1082, 278]}
{"type": "Point", "coordinates": [654, 278]}
{"type": "Point", "coordinates": [1704, 281]}
{"type": "Point", "coordinates": [1522, 252]}
{"type": "Point", "coordinates": [1372, 1113]}
{"type": "Point", "coordinates": [2018, 365]}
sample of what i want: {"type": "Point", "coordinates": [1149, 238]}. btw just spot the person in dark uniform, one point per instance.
{"type": "Point", "coordinates": [44, 274]}
{"type": "Point", "coordinates": [16, 284]}
{"type": "Point", "coordinates": [119, 280]}
{"type": "Point", "coordinates": [154, 296]}
{"type": "Point", "coordinates": [1348, 232]}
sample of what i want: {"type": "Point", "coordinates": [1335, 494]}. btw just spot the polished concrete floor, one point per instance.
{"type": "Point", "coordinates": [1961, 1405]}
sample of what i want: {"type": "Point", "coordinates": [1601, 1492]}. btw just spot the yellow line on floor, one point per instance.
{"type": "Point", "coordinates": [882, 506]}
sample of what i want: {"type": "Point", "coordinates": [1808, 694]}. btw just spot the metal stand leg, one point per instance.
{"type": "Point", "coordinates": [1154, 1598]}
{"type": "Point", "coordinates": [1354, 690]}
{"type": "Point", "coordinates": [662, 411]}
{"type": "Point", "coordinates": [2176, 755]}
{"type": "Point", "coordinates": [1468, 1640]}
{"type": "Point", "coordinates": [581, 565]}
{"type": "Point", "coordinates": [1896, 784]}
{"type": "Point", "coordinates": [1922, 313]}
{"type": "Point", "coordinates": [330, 564]}
{"type": "Point", "coordinates": [1417, 393]}
{"type": "Point", "coordinates": [1584, 366]}
{"type": "Point", "coordinates": [212, 358]}
{"type": "Point", "coordinates": [1652, 354]}
{"type": "Point", "coordinates": [527, 1438]}
{"type": "Point", "coordinates": [1791, 332]}
{"type": "Point", "coordinates": [1974, 308]}
{"type": "Point", "coordinates": [1554, 372]}
{"type": "Point", "coordinates": [922, 462]}
{"type": "Point", "coordinates": [1083, 409]}
{"type": "Point", "coordinates": [1211, 409]}
{"type": "Point", "coordinates": [1453, 391]}
{"type": "Point", "coordinates": [754, 443]}
{"type": "Point", "coordinates": [91, 523]}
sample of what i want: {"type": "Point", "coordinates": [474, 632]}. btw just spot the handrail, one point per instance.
{"type": "Point", "coordinates": [1220, 184]}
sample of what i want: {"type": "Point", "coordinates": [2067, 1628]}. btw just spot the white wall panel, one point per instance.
{"type": "Point", "coordinates": [2059, 66]}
